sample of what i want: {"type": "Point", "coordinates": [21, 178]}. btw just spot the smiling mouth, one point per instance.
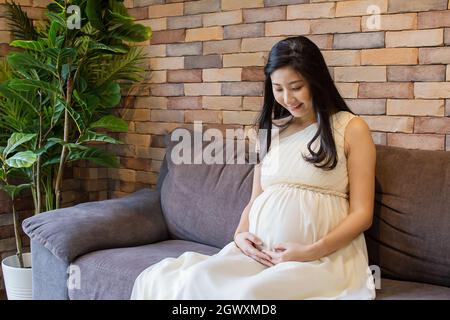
{"type": "Point", "coordinates": [296, 107]}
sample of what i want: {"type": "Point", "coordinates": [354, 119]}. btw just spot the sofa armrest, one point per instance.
{"type": "Point", "coordinates": [132, 220]}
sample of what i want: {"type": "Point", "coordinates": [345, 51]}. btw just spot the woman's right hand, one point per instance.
{"type": "Point", "coordinates": [248, 243]}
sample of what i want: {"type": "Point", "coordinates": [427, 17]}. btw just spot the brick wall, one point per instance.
{"type": "Point", "coordinates": [207, 58]}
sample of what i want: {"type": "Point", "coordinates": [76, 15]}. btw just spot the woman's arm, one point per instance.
{"type": "Point", "coordinates": [361, 158]}
{"type": "Point", "coordinates": [256, 191]}
{"type": "Point", "coordinates": [247, 242]}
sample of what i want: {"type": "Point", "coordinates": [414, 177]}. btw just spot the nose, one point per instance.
{"type": "Point", "coordinates": [289, 99]}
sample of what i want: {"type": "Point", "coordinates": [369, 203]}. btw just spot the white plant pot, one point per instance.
{"type": "Point", "coordinates": [17, 280]}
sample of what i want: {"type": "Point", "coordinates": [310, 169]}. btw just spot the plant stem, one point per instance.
{"type": "Point", "coordinates": [38, 168]}
{"type": "Point", "coordinates": [17, 234]}
{"type": "Point", "coordinates": [66, 140]}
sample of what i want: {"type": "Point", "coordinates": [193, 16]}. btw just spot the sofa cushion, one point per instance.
{"type": "Point", "coordinates": [110, 274]}
{"type": "Point", "coordinates": [409, 238]}
{"type": "Point", "coordinates": [405, 290]}
{"type": "Point", "coordinates": [210, 198]}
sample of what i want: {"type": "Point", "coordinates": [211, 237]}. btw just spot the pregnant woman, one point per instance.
{"type": "Point", "coordinates": [301, 234]}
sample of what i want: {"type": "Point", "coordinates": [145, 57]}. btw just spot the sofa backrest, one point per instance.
{"type": "Point", "coordinates": [203, 202]}
{"type": "Point", "coordinates": [410, 234]}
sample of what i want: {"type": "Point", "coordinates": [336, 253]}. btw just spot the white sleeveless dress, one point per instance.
{"type": "Point", "coordinates": [299, 203]}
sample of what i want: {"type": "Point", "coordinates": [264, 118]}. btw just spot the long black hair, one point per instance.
{"type": "Point", "coordinates": [302, 55]}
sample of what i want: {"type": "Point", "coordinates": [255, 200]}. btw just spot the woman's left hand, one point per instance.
{"type": "Point", "coordinates": [289, 251]}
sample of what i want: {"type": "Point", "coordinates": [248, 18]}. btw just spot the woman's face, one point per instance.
{"type": "Point", "coordinates": [292, 91]}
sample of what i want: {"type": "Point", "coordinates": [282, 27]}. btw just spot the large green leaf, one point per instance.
{"type": "Point", "coordinates": [13, 191]}
{"type": "Point", "coordinates": [49, 144]}
{"type": "Point", "coordinates": [94, 136]}
{"type": "Point", "coordinates": [93, 45]}
{"type": "Point", "coordinates": [33, 45]}
{"type": "Point", "coordinates": [111, 123]}
{"type": "Point", "coordinates": [110, 95]}
{"type": "Point", "coordinates": [23, 159]}
{"type": "Point", "coordinates": [23, 61]}
{"type": "Point", "coordinates": [16, 140]}
{"type": "Point", "coordinates": [60, 56]}
{"type": "Point", "coordinates": [132, 32]}
{"type": "Point", "coordinates": [95, 155]}
{"type": "Point", "coordinates": [57, 18]}
{"type": "Point", "coordinates": [52, 33]}
{"type": "Point", "coordinates": [13, 95]}
{"type": "Point", "coordinates": [121, 67]}
{"type": "Point", "coordinates": [29, 85]}
{"type": "Point", "coordinates": [77, 118]}
{"type": "Point", "coordinates": [58, 111]}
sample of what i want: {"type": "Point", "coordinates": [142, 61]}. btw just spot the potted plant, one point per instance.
{"type": "Point", "coordinates": [62, 84]}
{"type": "Point", "coordinates": [16, 269]}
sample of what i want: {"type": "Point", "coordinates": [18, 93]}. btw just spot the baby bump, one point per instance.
{"type": "Point", "coordinates": [293, 215]}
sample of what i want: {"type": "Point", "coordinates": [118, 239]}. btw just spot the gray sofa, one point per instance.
{"type": "Point", "coordinates": [96, 250]}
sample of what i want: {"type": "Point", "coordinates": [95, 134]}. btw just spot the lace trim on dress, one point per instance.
{"type": "Point", "coordinates": [311, 188]}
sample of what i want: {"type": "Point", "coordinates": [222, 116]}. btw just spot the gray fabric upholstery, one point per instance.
{"type": "Point", "coordinates": [128, 221]}
{"type": "Point", "coordinates": [405, 290]}
{"type": "Point", "coordinates": [209, 199]}
{"type": "Point", "coordinates": [110, 274]}
{"type": "Point", "coordinates": [409, 237]}
{"type": "Point", "coordinates": [49, 274]}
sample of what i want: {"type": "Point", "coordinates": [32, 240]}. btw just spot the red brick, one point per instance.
{"type": "Point", "coordinates": [165, 10]}
{"type": "Point", "coordinates": [221, 47]}
{"type": "Point", "coordinates": [264, 14]}
{"type": "Point", "coordinates": [206, 116]}
{"type": "Point", "coordinates": [416, 5]}
{"type": "Point", "coordinates": [252, 30]}
{"type": "Point", "coordinates": [432, 90]}
{"type": "Point", "coordinates": [271, 3]}
{"type": "Point", "coordinates": [253, 74]}
{"type": "Point", "coordinates": [237, 89]}
{"type": "Point", "coordinates": [184, 103]}
{"type": "Point", "coordinates": [184, 49]}
{"type": "Point", "coordinates": [168, 36]}
{"type": "Point", "coordinates": [433, 19]}
{"type": "Point", "coordinates": [202, 6]}
{"type": "Point", "coordinates": [184, 76]}
{"type": "Point", "coordinates": [167, 115]}
{"type": "Point", "coordinates": [202, 62]}
{"type": "Point", "coordinates": [417, 141]}
{"type": "Point", "coordinates": [138, 13]}
{"type": "Point", "coordinates": [415, 107]}
{"type": "Point", "coordinates": [222, 18]}
{"type": "Point", "coordinates": [400, 90]}
{"type": "Point", "coordinates": [167, 89]}
{"type": "Point", "coordinates": [416, 73]}
{"type": "Point", "coordinates": [336, 25]}
{"type": "Point", "coordinates": [239, 4]}
{"type": "Point", "coordinates": [184, 22]}
{"type": "Point", "coordinates": [434, 55]}
{"type": "Point", "coordinates": [432, 125]}
{"type": "Point", "coordinates": [359, 40]}
{"type": "Point", "coordinates": [367, 106]}
{"type": "Point", "coordinates": [135, 163]}
{"type": "Point", "coordinates": [390, 123]}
